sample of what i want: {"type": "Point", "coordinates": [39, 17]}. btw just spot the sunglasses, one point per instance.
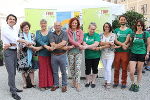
{"type": "Point", "coordinates": [139, 25]}
{"type": "Point", "coordinates": [106, 27]}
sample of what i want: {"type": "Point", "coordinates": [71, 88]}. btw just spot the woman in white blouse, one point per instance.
{"type": "Point", "coordinates": [107, 53]}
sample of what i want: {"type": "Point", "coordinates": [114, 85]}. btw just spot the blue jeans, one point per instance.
{"type": "Point", "coordinates": [59, 61]}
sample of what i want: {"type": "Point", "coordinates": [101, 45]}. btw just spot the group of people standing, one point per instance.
{"type": "Point", "coordinates": [62, 49]}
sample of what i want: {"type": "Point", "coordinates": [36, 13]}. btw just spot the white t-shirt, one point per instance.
{"type": "Point", "coordinates": [108, 53]}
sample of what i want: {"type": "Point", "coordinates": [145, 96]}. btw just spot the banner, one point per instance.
{"type": "Point", "coordinates": [64, 18]}
{"type": "Point", "coordinates": [97, 15]}
{"type": "Point", "coordinates": [77, 14]}
{"type": "Point", "coordinates": [33, 16]}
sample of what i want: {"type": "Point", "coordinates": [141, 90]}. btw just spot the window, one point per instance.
{"type": "Point", "coordinates": [144, 9]}
{"type": "Point", "coordinates": [115, 1]}
{"type": "Point", "coordinates": [132, 8]}
{"type": "Point", "coordinates": [123, 0]}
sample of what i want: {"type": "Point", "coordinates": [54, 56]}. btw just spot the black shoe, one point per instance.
{"type": "Point", "coordinates": [115, 85]}
{"type": "Point", "coordinates": [15, 96]}
{"type": "Point", "coordinates": [136, 73]}
{"type": "Point", "coordinates": [34, 86]}
{"type": "Point", "coordinates": [17, 90]}
{"type": "Point", "coordinates": [143, 71]}
{"type": "Point", "coordinates": [87, 84]}
{"type": "Point", "coordinates": [93, 85]}
{"type": "Point", "coordinates": [123, 86]}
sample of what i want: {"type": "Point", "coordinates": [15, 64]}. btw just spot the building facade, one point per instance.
{"type": "Point", "coordinates": [140, 6]}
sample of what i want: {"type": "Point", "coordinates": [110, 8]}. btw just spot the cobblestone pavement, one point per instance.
{"type": "Point", "coordinates": [98, 93]}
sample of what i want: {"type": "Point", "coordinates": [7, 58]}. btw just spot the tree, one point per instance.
{"type": "Point", "coordinates": [132, 17]}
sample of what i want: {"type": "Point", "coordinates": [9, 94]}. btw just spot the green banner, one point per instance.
{"type": "Point", "coordinates": [33, 16]}
{"type": "Point", "coordinates": [97, 15]}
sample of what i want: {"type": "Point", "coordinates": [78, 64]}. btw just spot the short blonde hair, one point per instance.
{"type": "Point", "coordinates": [43, 20]}
{"type": "Point", "coordinates": [92, 24]}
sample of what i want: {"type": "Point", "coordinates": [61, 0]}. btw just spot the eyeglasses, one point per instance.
{"type": "Point", "coordinates": [139, 25]}
{"type": "Point", "coordinates": [106, 27]}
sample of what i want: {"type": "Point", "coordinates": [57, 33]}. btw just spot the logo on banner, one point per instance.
{"type": "Point", "coordinates": [103, 12]}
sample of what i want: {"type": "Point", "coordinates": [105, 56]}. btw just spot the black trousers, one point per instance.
{"type": "Point", "coordinates": [91, 64]}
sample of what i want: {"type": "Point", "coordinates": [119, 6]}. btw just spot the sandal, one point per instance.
{"type": "Point", "coordinates": [105, 85]}
{"type": "Point", "coordinates": [25, 86]}
{"type": "Point", "coordinates": [108, 86]}
{"type": "Point", "coordinates": [73, 85]}
{"type": "Point", "coordinates": [78, 88]}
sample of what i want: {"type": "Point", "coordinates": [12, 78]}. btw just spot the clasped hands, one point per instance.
{"type": "Point", "coordinates": [6, 46]}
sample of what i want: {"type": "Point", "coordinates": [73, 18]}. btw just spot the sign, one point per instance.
{"type": "Point", "coordinates": [33, 16]}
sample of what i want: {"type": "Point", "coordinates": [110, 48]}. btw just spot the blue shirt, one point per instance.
{"type": "Point", "coordinates": [42, 40]}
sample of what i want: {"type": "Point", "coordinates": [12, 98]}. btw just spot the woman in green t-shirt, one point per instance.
{"type": "Point", "coordinates": [92, 57]}
{"type": "Point", "coordinates": [139, 52]}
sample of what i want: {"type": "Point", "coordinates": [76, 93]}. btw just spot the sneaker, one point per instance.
{"type": "Point", "coordinates": [123, 86]}
{"type": "Point", "coordinates": [115, 85]}
{"type": "Point", "coordinates": [132, 87]}
{"type": "Point", "coordinates": [136, 88]}
{"type": "Point", "coordinates": [147, 68]}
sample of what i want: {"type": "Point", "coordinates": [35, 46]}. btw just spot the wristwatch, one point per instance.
{"type": "Point", "coordinates": [147, 53]}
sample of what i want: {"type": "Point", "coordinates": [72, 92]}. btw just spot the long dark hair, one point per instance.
{"type": "Point", "coordinates": [142, 24]}
{"type": "Point", "coordinates": [110, 27]}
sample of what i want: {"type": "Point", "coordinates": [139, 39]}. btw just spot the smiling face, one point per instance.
{"type": "Point", "coordinates": [57, 26]}
{"type": "Point", "coordinates": [43, 25]}
{"type": "Point", "coordinates": [106, 28]}
{"type": "Point", "coordinates": [11, 21]}
{"type": "Point", "coordinates": [92, 29]}
{"type": "Point", "coordinates": [26, 29]}
{"type": "Point", "coordinates": [74, 24]}
{"type": "Point", "coordinates": [122, 21]}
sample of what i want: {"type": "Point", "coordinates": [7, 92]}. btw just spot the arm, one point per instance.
{"type": "Point", "coordinates": [43, 44]}
{"type": "Point", "coordinates": [59, 45]}
{"type": "Point", "coordinates": [148, 44]}
{"type": "Point", "coordinates": [64, 41]}
{"type": "Point", "coordinates": [127, 39]}
{"type": "Point", "coordinates": [96, 43]}
{"type": "Point", "coordinates": [148, 48]}
{"type": "Point", "coordinates": [35, 48]}
{"type": "Point", "coordinates": [104, 43]}
{"type": "Point", "coordinates": [118, 42]}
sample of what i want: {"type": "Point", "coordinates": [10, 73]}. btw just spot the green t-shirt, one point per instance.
{"type": "Point", "coordinates": [121, 36]}
{"type": "Point", "coordinates": [138, 45]}
{"type": "Point", "coordinates": [90, 39]}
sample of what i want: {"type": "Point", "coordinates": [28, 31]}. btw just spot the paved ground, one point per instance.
{"type": "Point", "coordinates": [98, 93]}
